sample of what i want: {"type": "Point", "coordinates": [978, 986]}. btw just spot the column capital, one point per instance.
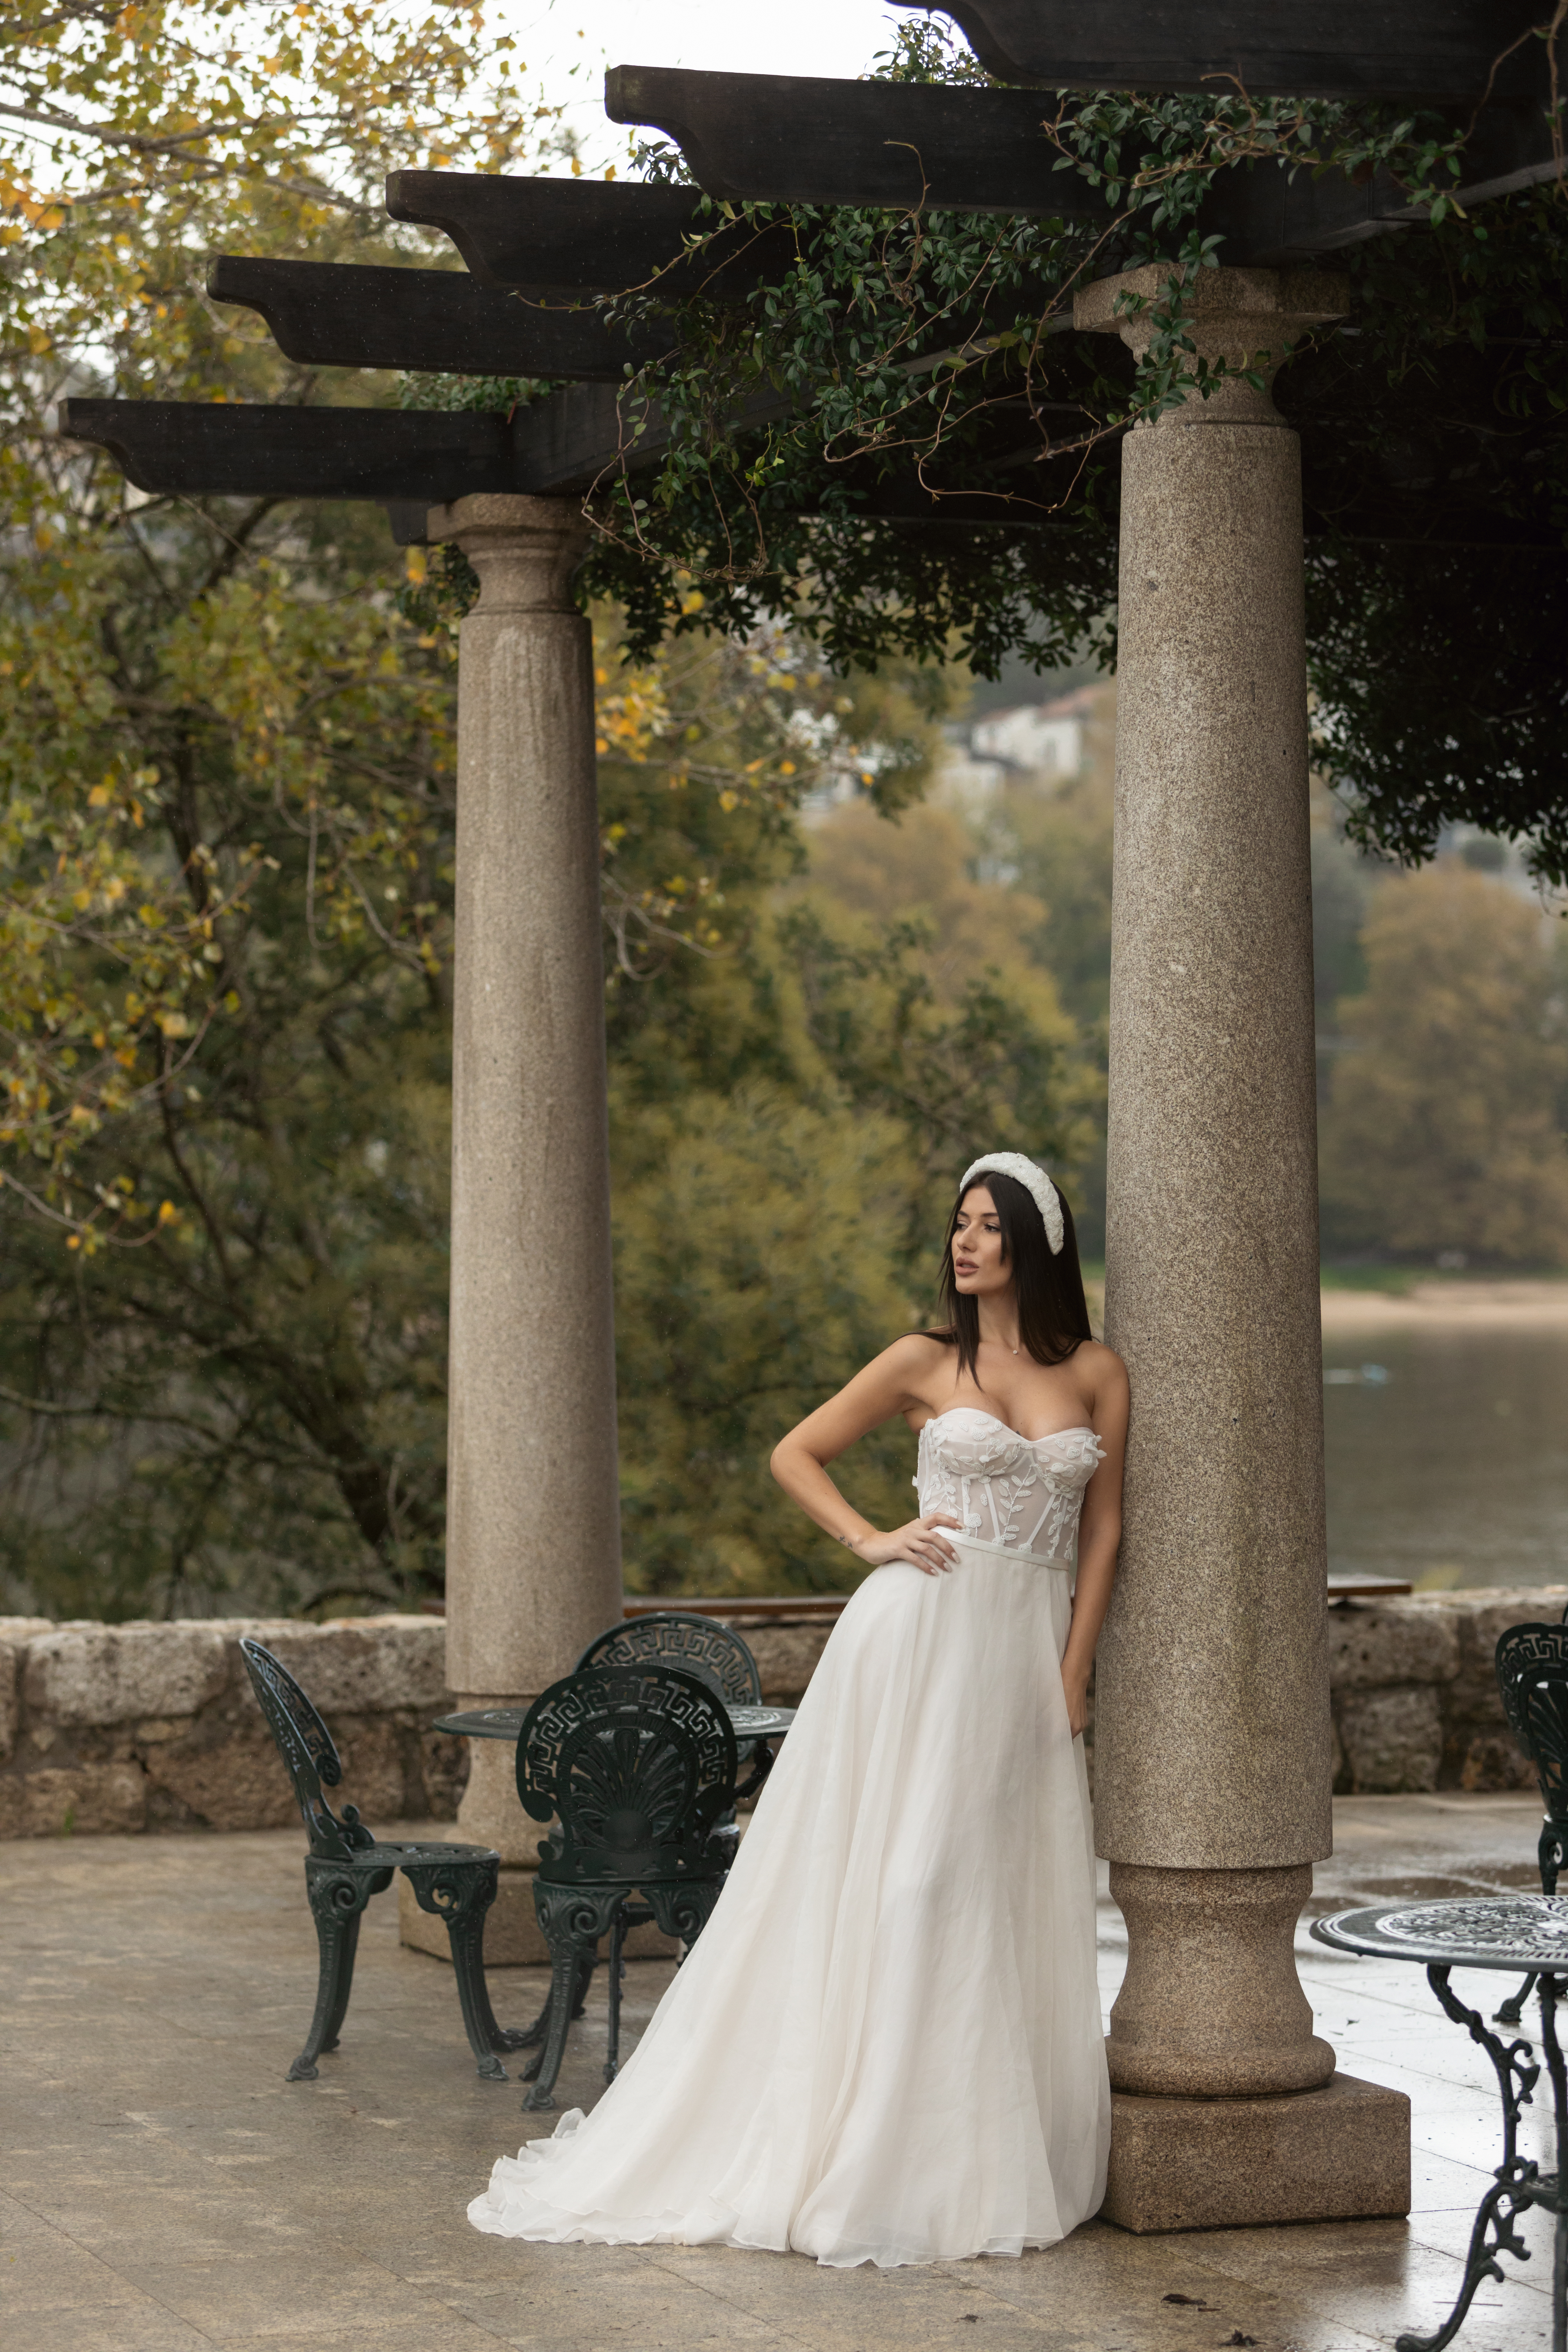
{"type": "Point", "coordinates": [524, 550]}
{"type": "Point", "coordinates": [1249, 318]}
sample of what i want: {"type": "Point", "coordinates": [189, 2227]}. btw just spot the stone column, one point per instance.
{"type": "Point", "coordinates": [1212, 1753]}
{"type": "Point", "coordinates": [534, 1553]}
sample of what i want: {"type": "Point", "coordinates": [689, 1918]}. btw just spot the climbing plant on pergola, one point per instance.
{"type": "Point", "coordinates": [822, 364]}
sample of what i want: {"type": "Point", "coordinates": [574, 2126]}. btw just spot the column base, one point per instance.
{"type": "Point", "coordinates": [512, 1939]}
{"type": "Point", "coordinates": [1338, 2154]}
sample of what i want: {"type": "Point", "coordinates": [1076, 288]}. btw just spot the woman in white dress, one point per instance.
{"type": "Point", "coordinates": [886, 2044]}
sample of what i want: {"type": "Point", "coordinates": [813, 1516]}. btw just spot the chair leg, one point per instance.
{"type": "Point", "coordinates": [461, 1894]}
{"type": "Point", "coordinates": [339, 2009]}
{"type": "Point", "coordinates": [1549, 1854]}
{"type": "Point", "coordinates": [338, 1897]}
{"type": "Point", "coordinates": [617, 1969]}
{"type": "Point", "coordinates": [1512, 2010]}
{"type": "Point", "coordinates": [530, 2037]}
{"type": "Point", "coordinates": [683, 1911]}
{"type": "Point", "coordinates": [571, 1919]}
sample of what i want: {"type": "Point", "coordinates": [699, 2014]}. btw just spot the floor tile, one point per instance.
{"type": "Point", "coordinates": [220, 2205]}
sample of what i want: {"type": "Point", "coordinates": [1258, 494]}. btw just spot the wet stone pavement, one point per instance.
{"type": "Point", "coordinates": [163, 2189]}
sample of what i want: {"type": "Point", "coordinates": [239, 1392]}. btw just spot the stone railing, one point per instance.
{"type": "Point", "coordinates": [132, 1727]}
{"type": "Point", "coordinates": [1415, 1697]}
{"type": "Point", "coordinates": [128, 1728]}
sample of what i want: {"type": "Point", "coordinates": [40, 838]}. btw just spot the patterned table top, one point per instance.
{"type": "Point", "coordinates": [1498, 1931]}
{"type": "Point", "coordinates": [506, 1722]}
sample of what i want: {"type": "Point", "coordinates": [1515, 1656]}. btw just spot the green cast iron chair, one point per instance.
{"type": "Point", "coordinates": [347, 1865]}
{"type": "Point", "coordinates": [697, 1646]}
{"type": "Point", "coordinates": [1531, 1663]}
{"type": "Point", "coordinates": [637, 1764]}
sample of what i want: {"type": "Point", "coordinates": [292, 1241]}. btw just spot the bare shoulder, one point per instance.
{"type": "Point", "coordinates": [1100, 1370]}
{"type": "Point", "coordinates": [912, 1360]}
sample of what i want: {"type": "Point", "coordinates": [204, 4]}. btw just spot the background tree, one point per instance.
{"type": "Point", "coordinates": [225, 773]}
{"type": "Point", "coordinates": [226, 780]}
{"type": "Point", "coordinates": [225, 767]}
{"type": "Point", "coordinates": [1445, 1124]}
{"type": "Point", "coordinates": [792, 1101]}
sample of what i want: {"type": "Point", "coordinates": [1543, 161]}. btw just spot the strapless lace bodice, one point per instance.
{"type": "Point", "coordinates": [1022, 1494]}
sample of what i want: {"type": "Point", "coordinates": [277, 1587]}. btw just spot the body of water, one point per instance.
{"type": "Point", "coordinates": [1447, 1455]}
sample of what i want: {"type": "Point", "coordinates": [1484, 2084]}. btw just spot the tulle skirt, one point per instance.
{"type": "Point", "coordinates": [886, 2046]}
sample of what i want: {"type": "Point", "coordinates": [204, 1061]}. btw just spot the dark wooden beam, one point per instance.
{"type": "Point", "coordinates": [333, 314]}
{"type": "Point", "coordinates": [415, 458]}
{"type": "Point", "coordinates": [772, 138]}
{"type": "Point", "coordinates": [579, 439]}
{"type": "Point", "coordinates": [1441, 51]}
{"type": "Point", "coordinates": [219, 449]}
{"type": "Point", "coordinates": [752, 136]}
{"type": "Point", "coordinates": [776, 138]}
{"type": "Point", "coordinates": [409, 460]}
{"type": "Point", "coordinates": [1265, 217]}
{"type": "Point", "coordinates": [583, 236]}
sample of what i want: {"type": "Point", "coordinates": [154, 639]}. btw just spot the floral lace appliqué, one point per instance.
{"type": "Point", "coordinates": [1024, 1493]}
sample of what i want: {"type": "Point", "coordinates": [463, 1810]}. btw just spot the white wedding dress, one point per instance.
{"type": "Point", "coordinates": [887, 2045]}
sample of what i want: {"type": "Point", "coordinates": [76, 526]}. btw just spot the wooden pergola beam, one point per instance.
{"type": "Point", "coordinates": [188, 449]}
{"type": "Point", "coordinates": [410, 460]}
{"type": "Point", "coordinates": [783, 139]}
{"type": "Point", "coordinates": [1442, 52]}
{"type": "Point", "coordinates": [406, 459]}
{"type": "Point", "coordinates": [339, 314]}
{"type": "Point", "coordinates": [582, 237]}
{"type": "Point", "coordinates": [779, 139]}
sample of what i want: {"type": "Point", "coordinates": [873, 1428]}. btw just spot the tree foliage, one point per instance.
{"type": "Point", "coordinates": [789, 1109]}
{"type": "Point", "coordinates": [226, 769]}
{"type": "Point", "coordinates": [1445, 1127]}
{"type": "Point", "coordinates": [226, 783]}
{"type": "Point", "coordinates": [224, 786]}
{"type": "Point", "coordinates": [917, 359]}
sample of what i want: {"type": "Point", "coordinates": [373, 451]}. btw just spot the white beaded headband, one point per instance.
{"type": "Point", "coordinates": [1034, 1180]}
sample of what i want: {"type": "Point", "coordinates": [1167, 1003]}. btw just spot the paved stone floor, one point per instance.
{"type": "Point", "coordinates": [163, 2190]}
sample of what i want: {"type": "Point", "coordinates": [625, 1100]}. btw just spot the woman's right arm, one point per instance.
{"type": "Point", "coordinates": [886, 1387]}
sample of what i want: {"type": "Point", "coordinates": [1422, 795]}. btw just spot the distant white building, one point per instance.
{"type": "Point", "coordinates": [1043, 738]}
{"type": "Point", "coordinates": [965, 781]}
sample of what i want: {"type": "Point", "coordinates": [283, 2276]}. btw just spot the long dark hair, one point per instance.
{"type": "Point", "coordinates": [1053, 1314]}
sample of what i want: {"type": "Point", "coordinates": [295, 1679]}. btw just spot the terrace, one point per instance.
{"type": "Point", "coordinates": [163, 2190]}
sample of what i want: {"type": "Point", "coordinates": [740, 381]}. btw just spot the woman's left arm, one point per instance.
{"type": "Point", "coordinates": [1099, 1536]}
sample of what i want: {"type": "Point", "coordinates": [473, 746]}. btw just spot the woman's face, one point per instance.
{"type": "Point", "coordinates": [979, 1268]}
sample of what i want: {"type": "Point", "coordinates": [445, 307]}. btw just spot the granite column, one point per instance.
{"type": "Point", "coordinates": [1212, 1795]}
{"type": "Point", "coordinates": [533, 1557]}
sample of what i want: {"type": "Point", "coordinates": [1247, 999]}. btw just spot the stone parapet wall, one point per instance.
{"type": "Point", "coordinates": [137, 1727]}
{"type": "Point", "coordinates": [1414, 1696]}
{"type": "Point", "coordinates": [129, 1727]}
{"type": "Point", "coordinates": [132, 1727]}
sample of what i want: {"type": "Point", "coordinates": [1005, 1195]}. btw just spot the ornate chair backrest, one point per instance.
{"type": "Point", "coordinates": [306, 1747]}
{"type": "Point", "coordinates": [1532, 1676]}
{"type": "Point", "coordinates": [679, 1638]}
{"type": "Point", "coordinates": [638, 1762]}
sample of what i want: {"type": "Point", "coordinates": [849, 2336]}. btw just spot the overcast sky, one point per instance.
{"type": "Point", "coordinates": [568, 43]}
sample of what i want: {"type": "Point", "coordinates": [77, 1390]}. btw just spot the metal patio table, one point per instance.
{"type": "Point", "coordinates": [1509, 1934]}
{"type": "Point", "coordinates": [762, 1725]}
